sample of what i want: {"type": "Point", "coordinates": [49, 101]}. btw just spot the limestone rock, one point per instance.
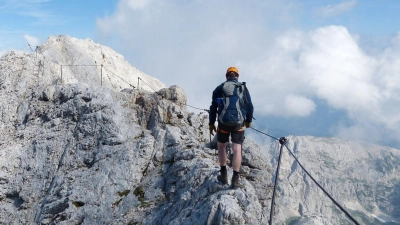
{"type": "Point", "coordinates": [80, 153]}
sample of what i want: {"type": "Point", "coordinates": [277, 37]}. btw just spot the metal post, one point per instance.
{"type": "Point", "coordinates": [61, 73]}
{"type": "Point", "coordinates": [138, 82]}
{"type": "Point", "coordinates": [44, 59]}
{"type": "Point", "coordinates": [101, 75]}
{"type": "Point", "coordinates": [282, 142]}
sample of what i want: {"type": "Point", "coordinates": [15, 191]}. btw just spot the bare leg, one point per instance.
{"type": "Point", "coordinates": [237, 156]}
{"type": "Point", "coordinates": [222, 153]}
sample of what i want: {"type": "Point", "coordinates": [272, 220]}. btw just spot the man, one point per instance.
{"type": "Point", "coordinates": [232, 103]}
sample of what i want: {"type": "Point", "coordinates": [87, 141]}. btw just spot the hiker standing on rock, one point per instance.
{"type": "Point", "coordinates": [231, 102]}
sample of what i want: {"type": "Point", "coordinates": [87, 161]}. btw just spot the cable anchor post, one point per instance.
{"type": "Point", "coordinates": [101, 75]}
{"type": "Point", "coordinates": [282, 141]}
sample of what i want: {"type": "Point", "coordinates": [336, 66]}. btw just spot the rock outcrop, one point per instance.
{"type": "Point", "coordinates": [74, 153]}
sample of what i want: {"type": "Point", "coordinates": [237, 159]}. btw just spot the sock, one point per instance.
{"type": "Point", "coordinates": [235, 173]}
{"type": "Point", "coordinates": [223, 168]}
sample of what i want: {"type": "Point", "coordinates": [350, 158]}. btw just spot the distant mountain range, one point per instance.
{"type": "Point", "coordinates": [362, 177]}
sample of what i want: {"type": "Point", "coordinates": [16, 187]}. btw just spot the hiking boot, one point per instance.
{"type": "Point", "coordinates": [223, 178]}
{"type": "Point", "coordinates": [235, 182]}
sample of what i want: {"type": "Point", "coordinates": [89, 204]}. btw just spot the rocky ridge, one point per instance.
{"type": "Point", "coordinates": [92, 148]}
{"type": "Point", "coordinates": [76, 153]}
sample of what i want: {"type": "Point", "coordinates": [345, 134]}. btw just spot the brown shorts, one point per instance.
{"type": "Point", "coordinates": [237, 136]}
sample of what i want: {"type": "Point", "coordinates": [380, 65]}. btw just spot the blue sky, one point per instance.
{"type": "Point", "coordinates": [321, 68]}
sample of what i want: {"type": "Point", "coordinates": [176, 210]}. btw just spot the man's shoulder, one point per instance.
{"type": "Point", "coordinates": [218, 91]}
{"type": "Point", "coordinates": [219, 87]}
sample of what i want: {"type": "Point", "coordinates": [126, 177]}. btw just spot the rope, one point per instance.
{"type": "Point", "coordinates": [105, 69]}
{"type": "Point", "coordinates": [30, 48]}
{"type": "Point", "coordinates": [196, 108]}
{"type": "Point", "coordinates": [271, 215]}
{"type": "Point", "coordinates": [206, 110]}
{"type": "Point", "coordinates": [312, 178]}
{"type": "Point", "coordinates": [329, 196]}
{"type": "Point", "coordinates": [83, 65]}
{"type": "Point", "coordinates": [265, 133]}
{"type": "Point", "coordinates": [80, 65]}
{"type": "Point", "coordinates": [23, 48]}
{"type": "Point", "coordinates": [147, 84]}
{"type": "Point", "coordinates": [119, 77]}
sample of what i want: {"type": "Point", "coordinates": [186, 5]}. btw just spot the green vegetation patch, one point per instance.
{"type": "Point", "coordinates": [117, 202]}
{"type": "Point", "coordinates": [121, 194]}
{"type": "Point", "coordinates": [132, 222]}
{"type": "Point", "coordinates": [139, 192]}
{"type": "Point", "coordinates": [124, 193]}
{"type": "Point", "coordinates": [78, 204]}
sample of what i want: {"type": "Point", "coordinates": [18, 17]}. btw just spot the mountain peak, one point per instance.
{"type": "Point", "coordinates": [65, 59]}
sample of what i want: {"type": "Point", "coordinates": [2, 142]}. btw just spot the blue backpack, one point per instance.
{"type": "Point", "coordinates": [232, 107]}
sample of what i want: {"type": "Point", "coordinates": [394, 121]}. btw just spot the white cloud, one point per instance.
{"type": "Point", "coordinates": [135, 4]}
{"type": "Point", "coordinates": [201, 38]}
{"type": "Point", "coordinates": [296, 105]}
{"type": "Point", "coordinates": [338, 69]}
{"type": "Point", "coordinates": [329, 65]}
{"type": "Point", "coordinates": [335, 10]}
{"type": "Point", "coordinates": [32, 41]}
{"type": "Point", "coordinates": [192, 44]}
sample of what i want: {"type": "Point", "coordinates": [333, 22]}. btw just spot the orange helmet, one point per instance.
{"type": "Point", "coordinates": [232, 69]}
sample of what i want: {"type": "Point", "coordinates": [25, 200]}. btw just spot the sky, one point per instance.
{"type": "Point", "coordinates": [327, 68]}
